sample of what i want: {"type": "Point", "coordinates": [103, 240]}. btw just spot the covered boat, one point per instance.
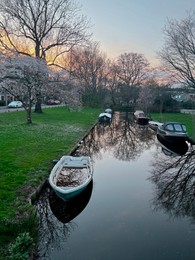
{"type": "Point", "coordinates": [71, 175]}
{"type": "Point", "coordinates": [141, 118]}
{"type": "Point", "coordinates": [108, 110]}
{"type": "Point", "coordinates": [105, 118]}
{"type": "Point", "coordinates": [173, 132]}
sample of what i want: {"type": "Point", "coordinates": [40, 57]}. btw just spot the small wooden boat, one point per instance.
{"type": "Point", "coordinates": [71, 175]}
{"type": "Point", "coordinates": [173, 132]}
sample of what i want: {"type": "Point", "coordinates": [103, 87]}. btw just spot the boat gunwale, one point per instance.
{"type": "Point", "coordinates": [57, 169]}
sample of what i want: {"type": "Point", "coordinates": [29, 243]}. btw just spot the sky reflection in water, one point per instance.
{"type": "Point", "coordinates": [126, 214]}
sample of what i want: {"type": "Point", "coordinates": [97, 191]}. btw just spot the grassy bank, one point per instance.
{"type": "Point", "coordinates": [26, 155]}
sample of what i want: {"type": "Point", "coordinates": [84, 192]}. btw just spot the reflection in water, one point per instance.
{"type": "Point", "coordinates": [122, 136]}
{"type": "Point", "coordinates": [50, 237]}
{"type": "Point", "coordinates": [112, 219]}
{"type": "Point", "coordinates": [174, 180]}
{"type": "Point", "coordinates": [65, 211]}
{"type": "Point", "coordinates": [54, 212]}
{"type": "Point", "coordinates": [125, 140]}
{"type": "Point", "coordinates": [173, 148]}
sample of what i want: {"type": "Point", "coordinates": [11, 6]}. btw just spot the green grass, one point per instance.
{"type": "Point", "coordinates": [27, 152]}
{"type": "Point", "coordinates": [187, 119]}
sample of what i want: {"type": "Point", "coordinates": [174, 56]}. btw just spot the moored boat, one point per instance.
{"type": "Point", "coordinates": [154, 125]}
{"type": "Point", "coordinates": [71, 175]}
{"type": "Point", "coordinates": [108, 110]}
{"type": "Point", "coordinates": [141, 118]}
{"type": "Point", "coordinates": [105, 118]}
{"type": "Point", "coordinates": [173, 132]}
{"type": "Point", "coordinates": [176, 148]}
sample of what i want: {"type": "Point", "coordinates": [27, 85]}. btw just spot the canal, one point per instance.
{"type": "Point", "coordinates": [139, 206]}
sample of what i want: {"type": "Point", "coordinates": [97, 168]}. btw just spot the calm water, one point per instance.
{"type": "Point", "coordinates": [140, 205]}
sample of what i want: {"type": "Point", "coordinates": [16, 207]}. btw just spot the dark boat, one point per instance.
{"type": "Point", "coordinates": [173, 132]}
{"type": "Point", "coordinates": [141, 118]}
{"type": "Point", "coordinates": [176, 148]}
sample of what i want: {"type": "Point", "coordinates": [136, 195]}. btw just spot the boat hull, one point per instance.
{"type": "Point", "coordinates": [142, 120]}
{"type": "Point", "coordinates": [72, 194]}
{"type": "Point", "coordinates": [177, 147]}
{"type": "Point", "coordinates": [171, 137]}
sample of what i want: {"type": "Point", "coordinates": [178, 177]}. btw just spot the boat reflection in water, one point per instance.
{"type": "Point", "coordinates": [173, 148]}
{"type": "Point", "coordinates": [67, 210]}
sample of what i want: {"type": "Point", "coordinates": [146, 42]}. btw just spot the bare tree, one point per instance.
{"type": "Point", "coordinates": [41, 28]}
{"type": "Point", "coordinates": [178, 53]}
{"type": "Point", "coordinates": [88, 65]}
{"type": "Point", "coordinates": [133, 68]}
{"type": "Point", "coordinates": [132, 72]}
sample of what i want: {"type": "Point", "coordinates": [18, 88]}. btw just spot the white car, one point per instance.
{"type": "Point", "coordinates": [15, 104]}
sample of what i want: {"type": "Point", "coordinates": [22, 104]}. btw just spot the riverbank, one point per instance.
{"type": "Point", "coordinates": [27, 152]}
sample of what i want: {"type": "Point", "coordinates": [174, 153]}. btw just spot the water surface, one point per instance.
{"type": "Point", "coordinates": [137, 207]}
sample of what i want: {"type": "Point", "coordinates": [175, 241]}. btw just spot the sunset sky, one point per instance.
{"type": "Point", "coordinates": [133, 25]}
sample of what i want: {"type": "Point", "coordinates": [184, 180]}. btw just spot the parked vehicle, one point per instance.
{"type": "Point", "coordinates": [53, 102]}
{"type": "Point", "coordinates": [71, 175]}
{"type": "Point", "coordinates": [15, 104]}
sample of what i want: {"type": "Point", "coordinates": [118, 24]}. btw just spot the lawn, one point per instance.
{"type": "Point", "coordinates": [26, 155]}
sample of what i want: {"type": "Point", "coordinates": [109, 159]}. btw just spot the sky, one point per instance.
{"type": "Point", "coordinates": [133, 25]}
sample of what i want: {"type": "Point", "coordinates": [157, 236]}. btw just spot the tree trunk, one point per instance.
{"type": "Point", "coordinates": [38, 108]}
{"type": "Point", "coordinates": [29, 115]}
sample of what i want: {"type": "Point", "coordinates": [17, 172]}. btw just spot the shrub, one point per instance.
{"type": "Point", "coordinates": [21, 249]}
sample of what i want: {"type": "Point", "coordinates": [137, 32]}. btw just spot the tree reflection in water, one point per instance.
{"type": "Point", "coordinates": [50, 237]}
{"type": "Point", "coordinates": [174, 179]}
{"type": "Point", "coordinates": [122, 137]}
{"type": "Point", "coordinates": [125, 140]}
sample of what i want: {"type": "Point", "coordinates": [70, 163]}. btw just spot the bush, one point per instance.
{"type": "Point", "coordinates": [21, 249]}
